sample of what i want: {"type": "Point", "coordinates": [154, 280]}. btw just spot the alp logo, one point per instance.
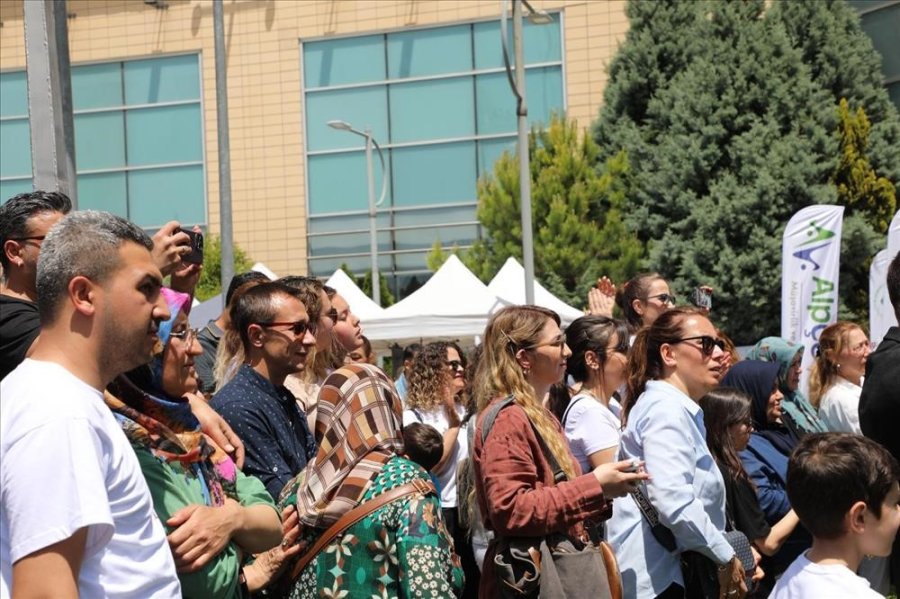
{"type": "Point", "coordinates": [816, 235]}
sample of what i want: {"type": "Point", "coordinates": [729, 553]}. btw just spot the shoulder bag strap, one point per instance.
{"type": "Point", "coordinates": [569, 407]}
{"type": "Point", "coordinates": [663, 535]}
{"type": "Point", "coordinates": [491, 415]}
{"type": "Point", "coordinates": [420, 486]}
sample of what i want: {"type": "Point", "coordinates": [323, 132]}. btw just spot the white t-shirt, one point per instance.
{"type": "Point", "coordinates": [839, 408]}
{"type": "Point", "coordinates": [590, 427]}
{"type": "Point", "coordinates": [65, 464]}
{"type": "Point", "coordinates": [447, 477]}
{"type": "Point", "coordinates": [806, 580]}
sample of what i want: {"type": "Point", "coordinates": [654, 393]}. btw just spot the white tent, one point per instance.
{"type": "Point", "coordinates": [453, 303]}
{"type": "Point", "coordinates": [509, 285]}
{"type": "Point", "coordinates": [360, 304]}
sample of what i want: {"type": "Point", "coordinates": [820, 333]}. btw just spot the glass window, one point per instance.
{"type": "Point", "coordinates": [349, 243]}
{"type": "Point", "coordinates": [15, 157]}
{"type": "Point", "coordinates": [541, 43]}
{"type": "Point", "coordinates": [342, 61]}
{"type": "Point", "coordinates": [168, 79]}
{"type": "Point", "coordinates": [12, 187]}
{"type": "Point", "coordinates": [432, 109]}
{"type": "Point", "coordinates": [434, 174]}
{"type": "Point", "coordinates": [164, 135]}
{"type": "Point", "coordinates": [361, 107]}
{"type": "Point", "coordinates": [13, 94]}
{"type": "Point", "coordinates": [449, 235]}
{"type": "Point", "coordinates": [489, 150]}
{"type": "Point", "coordinates": [429, 51]}
{"type": "Point", "coordinates": [339, 182]}
{"type": "Point", "coordinates": [104, 191]}
{"type": "Point", "coordinates": [97, 86]}
{"type": "Point", "coordinates": [100, 140]}
{"type": "Point", "coordinates": [156, 196]}
{"type": "Point", "coordinates": [882, 26]}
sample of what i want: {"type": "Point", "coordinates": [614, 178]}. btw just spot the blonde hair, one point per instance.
{"type": "Point", "coordinates": [230, 352]}
{"type": "Point", "coordinates": [825, 367]}
{"type": "Point", "coordinates": [499, 373]}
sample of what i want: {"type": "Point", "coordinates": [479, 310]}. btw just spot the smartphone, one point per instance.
{"type": "Point", "coordinates": [195, 256]}
{"type": "Point", "coordinates": [702, 298]}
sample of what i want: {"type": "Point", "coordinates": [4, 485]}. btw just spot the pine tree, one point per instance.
{"type": "Point", "coordinates": [210, 283]}
{"type": "Point", "coordinates": [579, 233]}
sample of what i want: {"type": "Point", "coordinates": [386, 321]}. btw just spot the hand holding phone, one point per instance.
{"type": "Point", "coordinates": [195, 256]}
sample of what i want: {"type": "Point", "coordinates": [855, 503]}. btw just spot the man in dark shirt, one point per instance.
{"type": "Point", "coordinates": [276, 336]}
{"type": "Point", "coordinates": [879, 402]}
{"type": "Point", "coordinates": [24, 222]}
{"type": "Point", "coordinates": [211, 334]}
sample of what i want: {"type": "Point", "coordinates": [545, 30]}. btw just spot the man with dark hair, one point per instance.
{"type": "Point", "coordinates": [879, 402]}
{"type": "Point", "coordinates": [844, 489]}
{"type": "Point", "coordinates": [409, 354]}
{"type": "Point", "coordinates": [76, 515]}
{"type": "Point", "coordinates": [211, 334]}
{"type": "Point", "coordinates": [25, 221]}
{"type": "Point", "coordinates": [276, 336]}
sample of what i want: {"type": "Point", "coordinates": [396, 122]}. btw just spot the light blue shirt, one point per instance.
{"type": "Point", "coordinates": [400, 384]}
{"type": "Point", "coordinates": [665, 429]}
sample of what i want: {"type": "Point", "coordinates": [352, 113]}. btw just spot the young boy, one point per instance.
{"type": "Point", "coordinates": [844, 489]}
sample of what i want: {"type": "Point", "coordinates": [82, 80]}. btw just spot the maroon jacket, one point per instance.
{"type": "Point", "coordinates": [516, 493]}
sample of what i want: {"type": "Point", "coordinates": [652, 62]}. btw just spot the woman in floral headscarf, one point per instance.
{"type": "Point", "coordinates": [215, 515]}
{"type": "Point", "coordinates": [402, 549]}
{"type": "Point", "coordinates": [797, 413]}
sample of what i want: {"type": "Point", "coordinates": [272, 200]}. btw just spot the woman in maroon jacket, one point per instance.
{"type": "Point", "coordinates": [524, 354]}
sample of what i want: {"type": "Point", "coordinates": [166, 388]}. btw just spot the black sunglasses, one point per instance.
{"type": "Point", "coordinates": [455, 364]}
{"type": "Point", "coordinates": [666, 298]}
{"type": "Point", "coordinates": [707, 343]}
{"type": "Point", "coordinates": [299, 328]}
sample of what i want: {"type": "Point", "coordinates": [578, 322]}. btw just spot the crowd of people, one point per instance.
{"type": "Point", "coordinates": [266, 454]}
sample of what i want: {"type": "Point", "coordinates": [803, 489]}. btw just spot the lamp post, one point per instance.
{"type": "Point", "coordinates": [370, 173]}
{"type": "Point", "coordinates": [517, 84]}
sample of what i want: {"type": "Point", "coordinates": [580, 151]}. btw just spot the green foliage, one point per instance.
{"type": "Point", "coordinates": [365, 284]}
{"type": "Point", "coordinates": [579, 232]}
{"type": "Point", "coordinates": [210, 283]}
{"type": "Point", "coordinates": [437, 256]}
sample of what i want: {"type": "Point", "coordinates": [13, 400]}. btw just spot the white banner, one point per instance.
{"type": "Point", "coordinates": [810, 256]}
{"type": "Point", "coordinates": [881, 313]}
{"type": "Point", "coordinates": [893, 242]}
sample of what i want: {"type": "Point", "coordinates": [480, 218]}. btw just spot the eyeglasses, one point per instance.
{"type": "Point", "coordinates": [455, 365]}
{"type": "Point", "coordinates": [186, 337]}
{"type": "Point", "coordinates": [748, 422]}
{"type": "Point", "coordinates": [707, 344]}
{"type": "Point", "coordinates": [32, 238]}
{"type": "Point", "coordinates": [299, 328]}
{"type": "Point", "coordinates": [666, 298]}
{"type": "Point", "coordinates": [861, 347]}
{"type": "Point", "coordinates": [558, 341]}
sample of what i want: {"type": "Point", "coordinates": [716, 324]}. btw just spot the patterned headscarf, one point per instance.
{"type": "Point", "coordinates": [358, 429]}
{"type": "Point", "coordinates": [176, 302]}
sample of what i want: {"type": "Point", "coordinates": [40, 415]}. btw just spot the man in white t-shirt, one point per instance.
{"type": "Point", "coordinates": [77, 517]}
{"type": "Point", "coordinates": [844, 489]}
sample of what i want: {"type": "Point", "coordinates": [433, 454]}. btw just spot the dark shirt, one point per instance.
{"type": "Point", "coordinates": [205, 363]}
{"type": "Point", "coordinates": [19, 327]}
{"type": "Point", "coordinates": [742, 508]}
{"type": "Point", "coordinates": [277, 441]}
{"type": "Point", "coordinates": [879, 401]}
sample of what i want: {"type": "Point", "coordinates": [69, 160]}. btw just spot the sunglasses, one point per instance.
{"type": "Point", "coordinates": [455, 365]}
{"type": "Point", "coordinates": [298, 328]}
{"type": "Point", "coordinates": [666, 298]}
{"type": "Point", "coordinates": [707, 344]}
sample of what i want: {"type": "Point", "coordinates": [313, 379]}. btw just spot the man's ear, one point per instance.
{"type": "Point", "coordinates": [255, 334]}
{"type": "Point", "coordinates": [667, 352]}
{"type": "Point", "coordinates": [82, 294]}
{"type": "Point", "coordinates": [12, 249]}
{"type": "Point", "coordinates": [855, 519]}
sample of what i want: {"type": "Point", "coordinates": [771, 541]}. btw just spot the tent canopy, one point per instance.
{"type": "Point", "coordinates": [360, 304]}
{"type": "Point", "coordinates": [509, 285]}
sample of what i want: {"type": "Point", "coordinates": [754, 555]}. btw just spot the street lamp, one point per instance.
{"type": "Point", "coordinates": [370, 172]}
{"type": "Point", "coordinates": [517, 84]}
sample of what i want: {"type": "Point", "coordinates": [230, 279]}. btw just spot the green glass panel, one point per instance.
{"type": "Point", "coordinates": [103, 191]}
{"type": "Point", "coordinates": [164, 135]}
{"type": "Point", "coordinates": [325, 267]}
{"type": "Point", "coordinates": [489, 150]}
{"type": "Point", "coordinates": [894, 93]}
{"type": "Point", "coordinates": [347, 243]}
{"type": "Point", "coordinates": [424, 238]}
{"type": "Point", "coordinates": [497, 104]}
{"type": "Point", "coordinates": [97, 86]}
{"type": "Point", "coordinates": [541, 43]}
{"type": "Point", "coordinates": [338, 182]}
{"type": "Point", "coordinates": [429, 51]}
{"type": "Point", "coordinates": [15, 148]}
{"type": "Point", "coordinates": [13, 94]}
{"type": "Point", "coordinates": [544, 90]}
{"type": "Point", "coordinates": [432, 109]}
{"type": "Point", "coordinates": [342, 61]}
{"type": "Point", "coordinates": [883, 26]}
{"type": "Point", "coordinates": [434, 174]}
{"type": "Point", "coordinates": [435, 215]}
{"type": "Point", "coordinates": [10, 188]}
{"type": "Point", "coordinates": [156, 196]}
{"type": "Point", "coordinates": [100, 140]}
{"type": "Point", "coordinates": [361, 107]}
{"type": "Point", "coordinates": [413, 261]}
{"type": "Point", "coordinates": [167, 79]}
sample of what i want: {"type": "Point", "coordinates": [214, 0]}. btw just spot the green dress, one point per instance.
{"type": "Point", "coordinates": [400, 550]}
{"type": "Point", "coordinates": [172, 488]}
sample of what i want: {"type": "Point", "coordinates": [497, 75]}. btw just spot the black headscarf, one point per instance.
{"type": "Point", "coordinates": [757, 379]}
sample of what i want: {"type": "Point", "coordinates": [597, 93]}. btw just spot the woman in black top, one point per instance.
{"type": "Point", "coordinates": [726, 414]}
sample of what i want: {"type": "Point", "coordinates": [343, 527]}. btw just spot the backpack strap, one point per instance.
{"type": "Point", "coordinates": [572, 403]}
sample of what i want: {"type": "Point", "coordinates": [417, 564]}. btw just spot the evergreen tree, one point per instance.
{"type": "Point", "coordinates": [365, 284]}
{"type": "Point", "coordinates": [579, 232]}
{"type": "Point", "coordinates": [435, 259]}
{"type": "Point", "coordinates": [210, 283]}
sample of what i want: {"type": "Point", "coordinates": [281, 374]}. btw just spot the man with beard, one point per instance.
{"type": "Point", "coordinates": [276, 336]}
{"type": "Point", "coordinates": [77, 516]}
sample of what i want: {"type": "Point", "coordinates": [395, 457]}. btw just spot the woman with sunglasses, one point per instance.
{"type": "Point", "coordinates": [215, 515]}
{"type": "Point", "coordinates": [434, 397]}
{"type": "Point", "coordinates": [727, 416]}
{"type": "Point", "coordinates": [516, 488]}
{"type": "Point", "coordinates": [835, 382]}
{"type": "Point", "coordinates": [673, 363]}
{"type": "Point", "coordinates": [643, 299]}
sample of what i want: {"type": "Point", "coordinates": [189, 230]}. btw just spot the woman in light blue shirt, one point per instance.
{"type": "Point", "coordinates": [673, 363]}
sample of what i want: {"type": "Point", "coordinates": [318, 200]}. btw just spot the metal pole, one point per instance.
{"type": "Point", "coordinates": [524, 169]}
{"type": "Point", "coordinates": [50, 97]}
{"type": "Point", "coordinates": [373, 237]}
{"type": "Point", "coordinates": [225, 224]}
